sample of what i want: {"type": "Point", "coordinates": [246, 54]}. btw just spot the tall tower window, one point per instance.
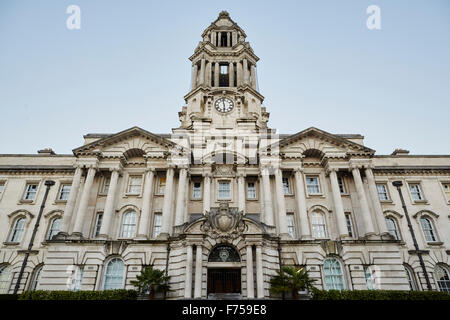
{"type": "Point", "coordinates": [223, 39]}
{"type": "Point", "coordinates": [224, 75]}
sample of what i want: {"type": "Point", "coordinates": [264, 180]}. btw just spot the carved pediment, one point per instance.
{"type": "Point", "coordinates": [224, 222]}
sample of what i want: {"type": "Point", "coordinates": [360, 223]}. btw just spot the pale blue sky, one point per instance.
{"type": "Point", "coordinates": [319, 66]}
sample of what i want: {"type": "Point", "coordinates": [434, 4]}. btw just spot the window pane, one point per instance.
{"type": "Point", "coordinates": [410, 277]}
{"type": "Point", "coordinates": [36, 278]}
{"type": "Point", "coordinates": [64, 193]}
{"type": "Point", "coordinates": [129, 225]}
{"type": "Point", "coordinates": [157, 224]}
{"type": "Point", "coordinates": [428, 230]}
{"type": "Point", "coordinates": [162, 185]}
{"type": "Point", "coordinates": [318, 225]}
{"type": "Point", "coordinates": [106, 183]}
{"type": "Point", "coordinates": [312, 185]}
{"type": "Point", "coordinates": [2, 185]}
{"type": "Point", "coordinates": [286, 186]}
{"type": "Point", "coordinates": [224, 190]}
{"type": "Point", "coordinates": [78, 278]}
{"type": "Point", "coordinates": [443, 279]}
{"type": "Point", "coordinates": [370, 281]}
{"type": "Point", "coordinates": [334, 278]}
{"type": "Point", "coordinates": [54, 228]}
{"type": "Point", "coordinates": [197, 190]}
{"type": "Point", "coordinates": [134, 186]}
{"type": "Point", "coordinates": [445, 185]}
{"type": "Point", "coordinates": [5, 278]}
{"type": "Point", "coordinates": [382, 192]}
{"type": "Point", "coordinates": [415, 192]}
{"type": "Point", "coordinates": [341, 185]}
{"type": "Point", "coordinates": [392, 228]}
{"type": "Point", "coordinates": [251, 190]}
{"type": "Point", "coordinates": [348, 219]}
{"type": "Point", "coordinates": [30, 192]}
{"type": "Point", "coordinates": [98, 224]}
{"type": "Point", "coordinates": [290, 224]}
{"type": "Point", "coordinates": [18, 230]}
{"type": "Point", "coordinates": [114, 275]}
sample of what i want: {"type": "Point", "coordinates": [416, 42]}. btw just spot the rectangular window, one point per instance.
{"type": "Point", "coordinates": [370, 279]}
{"type": "Point", "coordinates": [382, 192]}
{"type": "Point", "coordinates": [161, 185]}
{"type": "Point", "coordinates": [348, 220]}
{"type": "Point", "coordinates": [30, 191]}
{"type": "Point", "coordinates": [223, 69]}
{"type": "Point", "coordinates": [312, 185]}
{"type": "Point", "coordinates": [64, 192]}
{"type": "Point", "coordinates": [446, 187]}
{"type": "Point", "coordinates": [251, 190]}
{"type": "Point", "coordinates": [290, 224]}
{"type": "Point", "coordinates": [134, 185]}
{"type": "Point", "coordinates": [78, 278]}
{"type": "Point", "coordinates": [341, 185]}
{"type": "Point", "coordinates": [224, 190]}
{"type": "Point", "coordinates": [197, 190]}
{"type": "Point", "coordinates": [2, 186]}
{"type": "Point", "coordinates": [286, 186]}
{"type": "Point", "coordinates": [157, 222]}
{"type": "Point", "coordinates": [105, 187]}
{"type": "Point", "coordinates": [416, 193]}
{"type": "Point", "coordinates": [98, 224]}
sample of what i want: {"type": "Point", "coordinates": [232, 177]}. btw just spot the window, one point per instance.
{"type": "Point", "coordinates": [348, 220]}
{"type": "Point", "coordinates": [382, 192]}
{"type": "Point", "coordinates": [290, 224]}
{"type": "Point", "coordinates": [318, 225]}
{"type": "Point", "coordinates": [114, 274]}
{"type": "Point", "coordinates": [64, 192]}
{"type": "Point", "coordinates": [286, 186]}
{"type": "Point", "coordinates": [392, 228]}
{"type": "Point", "coordinates": [105, 187]}
{"type": "Point", "coordinates": [442, 277]}
{"type": "Point", "coordinates": [410, 277]}
{"type": "Point", "coordinates": [197, 190]}
{"type": "Point", "coordinates": [223, 69]}
{"type": "Point", "coordinates": [334, 277]}
{"type": "Point", "coordinates": [341, 185]}
{"type": "Point", "coordinates": [428, 229]}
{"type": "Point", "coordinates": [161, 185]}
{"type": "Point", "coordinates": [36, 278]}
{"type": "Point", "coordinates": [30, 191]}
{"type": "Point", "coordinates": [2, 186]}
{"type": "Point", "coordinates": [157, 222]}
{"type": "Point", "coordinates": [5, 278]}
{"type": "Point", "coordinates": [224, 190]}
{"type": "Point", "coordinates": [98, 224]}
{"type": "Point", "coordinates": [446, 187]}
{"type": "Point", "coordinates": [370, 280]}
{"type": "Point", "coordinates": [129, 225]}
{"type": "Point", "coordinates": [251, 190]}
{"type": "Point", "coordinates": [312, 185]}
{"type": "Point", "coordinates": [415, 191]}
{"type": "Point", "coordinates": [17, 231]}
{"type": "Point", "coordinates": [134, 185]}
{"type": "Point", "coordinates": [78, 278]}
{"type": "Point", "coordinates": [54, 228]}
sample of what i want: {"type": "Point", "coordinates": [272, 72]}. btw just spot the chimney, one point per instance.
{"type": "Point", "coordinates": [400, 152]}
{"type": "Point", "coordinates": [46, 151]}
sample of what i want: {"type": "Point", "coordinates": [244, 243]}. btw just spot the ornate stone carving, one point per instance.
{"type": "Point", "coordinates": [224, 222]}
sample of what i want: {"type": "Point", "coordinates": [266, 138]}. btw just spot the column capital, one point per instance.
{"type": "Point", "coordinates": [354, 166]}
{"type": "Point", "coordinates": [116, 168]}
{"type": "Point", "coordinates": [150, 169]}
{"type": "Point", "coordinates": [328, 170]}
{"type": "Point", "coordinates": [299, 170]}
{"type": "Point", "coordinates": [183, 166]}
{"type": "Point", "coordinates": [206, 174]}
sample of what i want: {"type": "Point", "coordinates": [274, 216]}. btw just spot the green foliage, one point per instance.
{"type": "Point", "coordinates": [378, 295]}
{"type": "Point", "coordinates": [151, 281]}
{"type": "Point", "coordinates": [291, 280]}
{"type": "Point", "coordinates": [118, 294]}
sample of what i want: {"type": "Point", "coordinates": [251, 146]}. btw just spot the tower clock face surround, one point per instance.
{"type": "Point", "coordinates": [224, 105]}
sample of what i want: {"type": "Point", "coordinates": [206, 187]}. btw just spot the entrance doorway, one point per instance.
{"type": "Point", "coordinates": [224, 281]}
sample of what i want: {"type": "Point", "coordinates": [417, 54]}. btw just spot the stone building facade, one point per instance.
{"type": "Point", "coordinates": [223, 200]}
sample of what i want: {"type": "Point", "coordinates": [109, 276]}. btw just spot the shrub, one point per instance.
{"type": "Point", "coordinates": [119, 294]}
{"type": "Point", "coordinates": [379, 295]}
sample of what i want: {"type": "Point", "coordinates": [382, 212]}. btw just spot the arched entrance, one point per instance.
{"type": "Point", "coordinates": [224, 273]}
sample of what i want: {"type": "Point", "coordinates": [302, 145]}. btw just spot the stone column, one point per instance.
{"type": "Point", "coordinates": [208, 74]}
{"type": "Point", "coordinates": [338, 206]}
{"type": "Point", "coordinates": [179, 216]}
{"type": "Point", "coordinates": [259, 273]}
{"type": "Point", "coordinates": [250, 288]}
{"type": "Point", "coordinates": [268, 214]}
{"type": "Point", "coordinates": [188, 279]}
{"type": "Point", "coordinates": [198, 272]}
{"type": "Point", "coordinates": [81, 214]}
{"type": "Point", "coordinates": [216, 74]}
{"type": "Point", "coordinates": [144, 225]}
{"type": "Point", "coordinates": [305, 230]}
{"type": "Point", "coordinates": [245, 66]}
{"type": "Point", "coordinates": [379, 217]}
{"type": "Point", "coordinates": [365, 212]}
{"type": "Point", "coordinates": [70, 206]}
{"type": "Point", "coordinates": [213, 38]}
{"type": "Point", "coordinates": [253, 74]}
{"type": "Point", "coordinates": [167, 203]}
{"type": "Point", "coordinates": [231, 74]}
{"type": "Point", "coordinates": [261, 200]}
{"type": "Point", "coordinates": [228, 40]}
{"type": "Point", "coordinates": [206, 192]}
{"type": "Point", "coordinates": [239, 73]}
{"type": "Point", "coordinates": [202, 72]}
{"type": "Point", "coordinates": [194, 76]}
{"type": "Point", "coordinates": [241, 192]}
{"type": "Point", "coordinates": [108, 212]}
{"type": "Point", "coordinates": [282, 223]}
{"type": "Point", "coordinates": [219, 40]}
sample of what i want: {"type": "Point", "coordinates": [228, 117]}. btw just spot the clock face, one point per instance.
{"type": "Point", "coordinates": [224, 105]}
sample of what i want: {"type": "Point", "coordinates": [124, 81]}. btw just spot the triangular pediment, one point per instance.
{"type": "Point", "coordinates": [134, 138]}
{"type": "Point", "coordinates": [322, 142]}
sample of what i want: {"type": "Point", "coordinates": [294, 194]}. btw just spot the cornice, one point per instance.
{"type": "Point", "coordinates": [402, 170]}
{"type": "Point", "coordinates": [35, 169]}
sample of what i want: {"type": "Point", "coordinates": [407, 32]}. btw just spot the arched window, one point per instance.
{"type": "Point", "coordinates": [410, 277]}
{"type": "Point", "coordinates": [128, 225]}
{"type": "Point", "coordinates": [17, 231]}
{"type": "Point", "coordinates": [114, 274]}
{"type": "Point", "coordinates": [392, 227]}
{"type": "Point", "coordinates": [428, 229]}
{"type": "Point", "coordinates": [333, 274]}
{"type": "Point", "coordinates": [5, 278]}
{"type": "Point", "coordinates": [442, 277]}
{"type": "Point", "coordinates": [36, 278]}
{"type": "Point", "coordinates": [319, 229]}
{"type": "Point", "coordinates": [54, 228]}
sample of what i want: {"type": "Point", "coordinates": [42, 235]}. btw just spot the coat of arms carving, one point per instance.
{"type": "Point", "coordinates": [224, 222]}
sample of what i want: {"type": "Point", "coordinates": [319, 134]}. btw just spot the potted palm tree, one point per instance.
{"type": "Point", "coordinates": [291, 280]}
{"type": "Point", "coordinates": [151, 281]}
